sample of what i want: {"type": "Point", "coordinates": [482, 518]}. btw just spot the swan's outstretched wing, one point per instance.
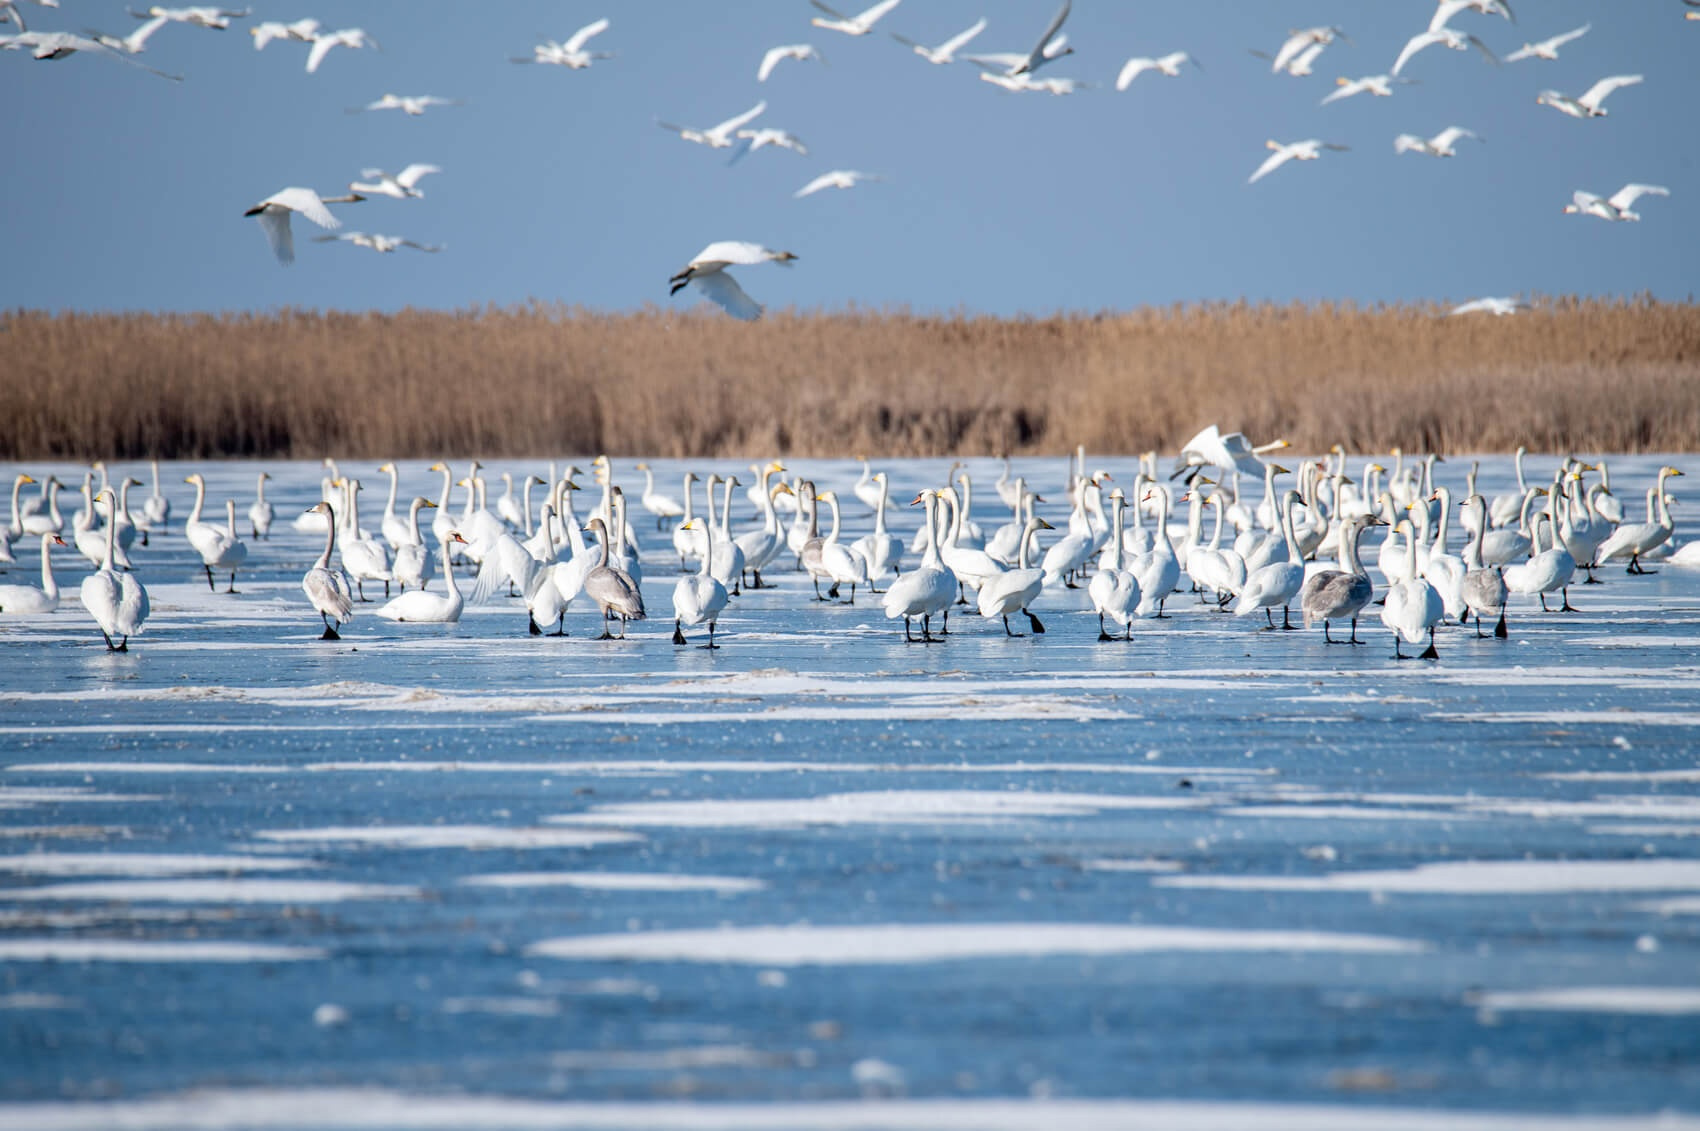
{"type": "Point", "coordinates": [1597, 93]}
{"type": "Point", "coordinates": [1415, 44]}
{"type": "Point", "coordinates": [1629, 194]}
{"type": "Point", "coordinates": [1450, 136]}
{"type": "Point", "coordinates": [409, 176]}
{"type": "Point", "coordinates": [743, 119]}
{"type": "Point", "coordinates": [275, 223]}
{"type": "Point", "coordinates": [1274, 161]}
{"type": "Point", "coordinates": [583, 35]}
{"type": "Point", "coordinates": [960, 40]}
{"type": "Point", "coordinates": [1132, 69]}
{"type": "Point", "coordinates": [321, 47]}
{"type": "Point", "coordinates": [724, 289]}
{"type": "Point", "coordinates": [828, 11]}
{"type": "Point", "coordinates": [306, 202]}
{"type": "Point", "coordinates": [1038, 55]}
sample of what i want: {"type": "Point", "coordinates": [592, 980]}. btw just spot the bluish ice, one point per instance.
{"type": "Point", "coordinates": [454, 875]}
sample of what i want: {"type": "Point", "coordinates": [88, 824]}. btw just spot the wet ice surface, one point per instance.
{"type": "Point", "coordinates": [1211, 877]}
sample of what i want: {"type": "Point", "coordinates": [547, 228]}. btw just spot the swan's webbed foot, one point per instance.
{"type": "Point", "coordinates": [1006, 630]}
{"type": "Point", "coordinates": [606, 635]}
{"type": "Point", "coordinates": [679, 634]}
{"type": "Point", "coordinates": [1499, 631]}
{"type": "Point", "coordinates": [1035, 624]}
{"type": "Point", "coordinates": [1397, 654]}
{"type": "Point", "coordinates": [1567, 607]}
{"type": "Point", "coordinates": [110, 647]}
{"type": "Point", "coordinates": [123, 644]}
{"type": "Point", "coordinates": [330, 633]}
{"type": "Point", "coordinates": [1287, 624]}
{"type": "Point", "coordinates": [1429, 653]}
{"type": "Point", "coordinates": [1327, 639]}
{"type": "Point", "coordinates": [1354, 639]}
{"type": "Point", "coordinates": [531, 626]}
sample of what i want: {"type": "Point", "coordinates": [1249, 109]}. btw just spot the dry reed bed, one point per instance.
{"type": "Point", "coordinates": [545, 381]}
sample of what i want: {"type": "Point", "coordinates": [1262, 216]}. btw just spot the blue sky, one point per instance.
{"type": "Point", "coordinates": [126, 192]}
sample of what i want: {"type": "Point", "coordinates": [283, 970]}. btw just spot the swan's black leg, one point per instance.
{"type": "Point", "coordinates": [1499, 629]}
{"type": "Point", "coordinates": [232, 588]}
{"type": "Point", "coordinates": [212, 586]}
{"type": "Point", "coordinates": [531, 625]}
{"type": "Point", "coordinates": [1034, 623]}
{"type": "Point", "coordinates": [1287, 624]}
{"type": "Point", "coordinates": [1354, 639]}
{"type": "Point", "coordinates": [1567, 607]}
{"type": "Point", "coordinates": [1429, 653]}
{"type": "Point", "coordinates": [1326, 639]}
{"type": "Point", "coordinates": [1006, 630]}
{"type": "Point", "coordinates": [907, 635]}
{"type": "Point", "coordinates": [678, 633]}
{"type": "Point", "coordinates": [1102, 634]}
{"type": "Point", "coordinates": [711, 645]}
{"type": "Point", "coordinates": [560, 624]}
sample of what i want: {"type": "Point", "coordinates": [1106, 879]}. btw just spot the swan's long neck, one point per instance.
{"type": "Point", "coordinates": [1664, 518]}
{"type": "Point", "coordinates": [726, 510]}
{"type": "Point", "coordinates": [1349, 547]}
{"type": "Point", "coordinates": [832, 502]}
{"type": "Point", "coordinates": [708, 504]}
{"type": "Point", "coordinates": [879, 511]}
{"type": "Point", "coordinates": [1216, 531]}
{"type": "Point", "coordinates": [1161, 534]}
{"type": "Point", "coordinates": [389, 504]}
{"type": "Point", "coordinates": [111, 547]}
{"type": "Point", "coordinates": [200, 500]}
{"type": "Point", "coordinates": [230, 517]}
{"type": "Point", "coordinates": [1030, 528]}
{"type": "Point", "coordinates": [1441, 529]}
{"type": "Point", "coordinates": [525, 504]}
{"type": "Point", "coordinates": [17, 526]}
{"type": "Point", "coordinates": [122, 514]}
{"type": "Point", "coordinates": [707, 570]}
{"type": "Point", "coordinates": [930, 559]}
{"type": "Point", "coordinates": [448, 486]}
{"type": "Point", "coordinates": [690, 478]}
{"type": "Point", "coordinates": [412, 522]}
{"type": "Point", "coordinates": [1287, 502]}
{"type": "Point", "coordinates": [1522, 484]}
{"type": "Point", "coordinates": [1118, 520]}
{"type": "Point", "coordinates": [260, 491]}
{"type": "Point", "coordinates": [48, 585]}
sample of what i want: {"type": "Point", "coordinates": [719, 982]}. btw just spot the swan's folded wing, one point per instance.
{"type": "Point", "coordinates": [724, 289]}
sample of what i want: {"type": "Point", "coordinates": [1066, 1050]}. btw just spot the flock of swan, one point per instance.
{"type": "Point", "coordinates": [1244, 533]}
{"type": "Point", "coordinates": [1014, 70]}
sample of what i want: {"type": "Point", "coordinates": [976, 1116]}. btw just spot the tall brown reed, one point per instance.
{"type": "Point", "coordinates": [544, 380]}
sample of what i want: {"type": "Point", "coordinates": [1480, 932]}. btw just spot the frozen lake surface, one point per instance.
{"type": "Point", "coordinates": [455, 876]}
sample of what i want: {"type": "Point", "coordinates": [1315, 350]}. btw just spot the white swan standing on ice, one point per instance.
{"type": "Point", "coordinates": [1412, 607]}
{"type": "Point", "coordinates": [325, 587]}
{"type": "Point", "coordinates": [116, 600]}
{"type": "Point", "coordinates": [1632, 539]}
{"type": "Point", "coordinates": [928, 588]}
{"type": "Point", "coordinates": [1013, 590]}
{"type": "Point", "coordinates": [260, 511]}
{"type": "Point", "coordinates": [698, 598]}
{"type": "Point", "coordinates": [19, 599]}
{"type": "Point", "coordinates": [707, 269]}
